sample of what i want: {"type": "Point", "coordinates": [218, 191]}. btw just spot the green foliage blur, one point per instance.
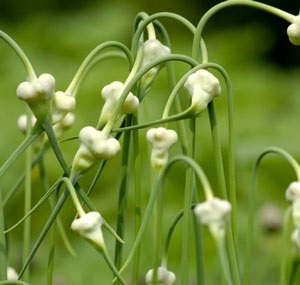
{"type": "Point", "coordinates": [57, 35]}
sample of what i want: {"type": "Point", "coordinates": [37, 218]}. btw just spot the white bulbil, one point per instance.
{"type": "Point", "coordinates": [111, 93]}
{"type": "Point", "coordinates": [153, 49]}
{"type": "Point", "coordinates": [203, 87]}
{"type": "Point", "coordinates": [164, 277]}
{"type": "Point", "coordinates": [40, 89]}
{"type": "Point", "coordinates": [161, 140]}
{"type": "Point", "coordinates": [94, 145]}
{"type": "Point", "coordinates": [64, 124]}
{"type": "Point", "coordinates": [22, 122]}
{"type": "Point", "coordinates": [12, 274]}
{"type": "Point", "coordinates": [89, 227]}
{"type": "Point", "coordinates": [98, 143]}
{"type": "Point", "coordinates": [213, 213]}
{"type": "Point", "coordinates": [293, 31]}
{"type": "Point", "coordinates": [62, 104]}
{"type": "Point", "coordinates": [293, 191]}
{"type": "Point", "coordinates": [38, 94]}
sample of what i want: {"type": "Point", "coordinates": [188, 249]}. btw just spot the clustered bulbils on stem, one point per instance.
{"type": "Point", "coordinates": [94, 146]}
{"type": "Point", "coordinates": [203, 87]}
{"type": "Point", "coordinates": [293, 194]}
{"type": "Point", "coordinates": [161, 140]}
{"type": "Point", "coordinates": [42, 99]}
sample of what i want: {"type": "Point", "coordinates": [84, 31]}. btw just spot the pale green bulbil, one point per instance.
{"type": "Point", "coordinates": [38, 94]}
{"type": "Point", "coordinates": [164, 277]}
{"type": "Point", "coordinates": [94, 145]}
{"type": "Point", "coordinates": [98, 143]}
{"type": "Point", "coordinates": [23, 124]}
{"type": "Point", "coordinates": [64, 124]}
{"type": "Point", "coordinates": [213, 213]}
{"type": "Point", "coordinates": [293, 191]}
{"type": "Point", "coordinates": [153, 49]}
{"type": "Point", "coordinates": [161, 140]}
{"type": "Point", "coordinates": [40, 89]}
{"type": "Point", "coordinates": [62, 104]}
{"type": "Point", "coordinates": [203, 87]}
{"type": "Point", "coordinates": [111, 93]}
{"type": "Point", "coordinates": [89, 227]}
{"type": "Point", "coordinates": [12, 274]}
{"type": "Point", "coordinates": [293, 31]}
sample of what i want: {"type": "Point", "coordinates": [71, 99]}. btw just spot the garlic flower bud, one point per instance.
{"type": "Point", "coordinates": [293, 191]}
{"type": "Point", "coordinates": [152, 50]}
{"type": "Point", "coordinates": [161, 140]}
{"type": "Point", "coordinates": [89, 227]}
{"type": "Point", "coordinates": [62, 104]}
{"type": "Point", "coordinates": [203, 87]}
{"type": "Point", "coordinates": [22, 122]}
{"type": "Point", "coordinates": [213, 213]}
{"type": "Point", "coordinates": [64, 124]}
{"type": "Point", "coordinates": [38, 94]}
{"type": "Point", "coordinates": [94, 145]}
{"type": "Point", "coordinates": [164, 277]}
{"type": "Point", "coordinates": [293, 31]}
{"type": "Point", "coordinates": [12, 274]}
{"type": "Point", "coordinates": [111, 94]}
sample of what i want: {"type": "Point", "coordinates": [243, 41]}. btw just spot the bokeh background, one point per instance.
{"type": "Point", "coordinates": [251, 45]}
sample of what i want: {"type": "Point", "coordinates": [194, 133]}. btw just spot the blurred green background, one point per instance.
{"type": "Point", "coordinates": [254, 49]}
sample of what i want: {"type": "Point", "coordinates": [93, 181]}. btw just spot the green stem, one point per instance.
{"type": "Point", "coordinates": [27, 201]}
{"type": "Point", "coordinates": [37, 130]}
{"type": "Point", "coordinates": [199, 256]}
{"type": "Point", "coordinates": [185, 258]}
{"type": "Point", "coordinates": [122, 202]}
{"type": "Point", "coordinates": [158, 233]}
{"type": "Point", "coordinates": [137, 202]}
{"type": "Point", "coordinates": [45, 230]}
{"type": "Point", "coordinates": [44, 181]}
{"type": "Point", "coordinates": [73, 195]}
{"type": "Point", "coordinates": [188, 197]}
{"type": "Point", "coordinates": [54, 144]}
{"type": "Point", "coordinates": [232, 236]}
{"type": "Point", "coordinates": [50, 267]}
{"type": "Point", "coordinates": [3, 248]}
{"type": "Point", "coordinates": [112, 267]}
{"type": "Point", "coordinates": [183, 115]}
{"type": "Point", "coordinates": [89, 61]}
{"type": "Point", "coordinates": [286, 248]}
{"type": "Point", "coordinates": [261, 6]}
{"type": "Point", "coordinates": [145, 221]}
{"type": "Point", "coordinates": [16, 48]}
{"type": "Point", "coordinates": [13, 282]}
{"type": "Point", "coordinates": [146, 20]}
{"type": "Point", "coordinates": [217, 151]}
{"type": "Point", "coordinates": [220, 241]}
{"type": "Point", "coordinates": [51, 201]}
{"type": "Point", "coordinates": [200, 268]}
